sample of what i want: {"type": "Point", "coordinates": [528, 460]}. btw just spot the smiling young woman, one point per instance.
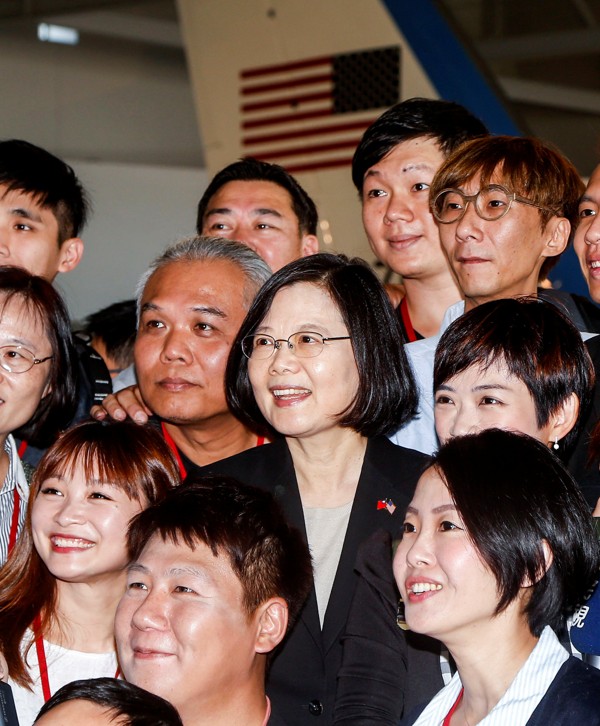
{"type": "Point", "coordinates": [493, 572]}
{"type": "Point", "coordinates": [61, 584]}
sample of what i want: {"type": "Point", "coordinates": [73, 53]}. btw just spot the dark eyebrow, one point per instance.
{"type": "Point", "coordinates": [20, 212]}
{"type": "Point", "coordinates": [436, 510]}
{"type": "Point", "coordinates": [587, 198]}
{"type": "Point", "coordinates": [259, 212]}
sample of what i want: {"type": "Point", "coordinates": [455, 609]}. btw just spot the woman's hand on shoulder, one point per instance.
{"type": "Point", "coordinates": [125, 403]}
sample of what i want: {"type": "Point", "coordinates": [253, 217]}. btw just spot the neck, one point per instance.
{"type": "Point", "coordinates": [212, 440]}
{"type": "Point", "coordinates": [428, 299]}
{"type": "Point", "coordinates": [489, 663]}
{"type": "Point", "coordinates": [85, 614]}
{"type": "Point", "coordinates": [473, 302]}
{"type": "Point", "coordinates": [328, 466]}
{"type": "Point", "coordinates": [246, 706]}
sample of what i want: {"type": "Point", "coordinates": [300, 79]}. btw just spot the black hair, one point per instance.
{"type": "Point", "coordinates": [449, 124]}
{"type": "Point", "coordinates": [250, 169]}
{"type": "Point", "coordinates": [514, 497]}
{"type": "Point", "coordinates": [387, 395]}
{"type": "Point", "coordinates": [116, 326]}
{"type": "Point", "coordinates": [268, 556]}
{"type": "Point", "coordinates": [128, 704]}
{"type": "Point", "coordinates": [56, 409]}
{"type": "Point", "coordinates": [49, 180]}
{"type": "Point", "coordinates": [539, 345]}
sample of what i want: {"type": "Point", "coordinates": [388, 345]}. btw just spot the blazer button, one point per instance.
{"type": "Point", "coordinates": [315, 707]}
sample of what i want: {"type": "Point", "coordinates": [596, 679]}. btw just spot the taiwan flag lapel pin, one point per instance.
{"type": "Point", "coordinates": [386, 504]}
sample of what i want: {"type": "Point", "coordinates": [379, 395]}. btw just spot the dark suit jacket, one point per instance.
{"type": "Point", "coordinates": [302, 678]}
{"type": "Point", "coordinates": [573, 699]}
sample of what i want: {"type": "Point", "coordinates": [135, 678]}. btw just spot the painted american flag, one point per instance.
{"type": "Point", "coordinates": [310, 114]}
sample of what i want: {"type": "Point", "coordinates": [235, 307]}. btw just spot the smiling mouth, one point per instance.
{"type": "Point", "coordinates": [287, 393]}
{"type": "Point", "coordinates": [71, 543]}
{"type": "Point", "coordinates": [420, 587]}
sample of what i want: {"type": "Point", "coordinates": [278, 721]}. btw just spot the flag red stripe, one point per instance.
{"type": "Point", "coordinates": [303, 133]}
{"type": "Point", "coordinates": [282, 85]}
{"type": "Point", "coordinates": [289, 101]}
{"type": "Point", "coordinates": [288, 118]}
{"type": "Point", "coordinates": [286, 67]}
{"type": "Point", "coordinates": [314, 149]}
{"type": "Point", "coordinates": [314, 165]}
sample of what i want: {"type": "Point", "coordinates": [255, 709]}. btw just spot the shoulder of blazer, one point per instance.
{"type": "Point", "coordinates": [252, 466]}
{"type": "Point", "coordinates": [395, 462]}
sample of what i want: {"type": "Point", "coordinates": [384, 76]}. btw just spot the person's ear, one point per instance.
{"type": "Point", "coordinates": [557, 233]}
{"type": "Point", "coordinates": [272, 624]}
{"type": "Point", "coordinates": [309, 245]}
{"type": "Point", "coordinates": [548, 560]}
{"type": "Point", "coordinates": [563, 419]}
{"type": "Point", "coordinates": [71, 252]}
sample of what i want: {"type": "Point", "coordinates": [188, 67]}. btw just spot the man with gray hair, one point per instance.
{"type": "Point", "coordinates": [191, 302]}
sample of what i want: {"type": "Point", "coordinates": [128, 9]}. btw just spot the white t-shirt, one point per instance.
{"type": "Point", "coordinates": [64, 666]}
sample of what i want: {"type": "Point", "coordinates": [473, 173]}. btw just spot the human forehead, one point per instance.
{"type": "Point", "coordinates": [251, 196]}
{"type": "Point", "coordinates": [421, 153]}
{"type": "Point", "coordinates": [196, 282]}
{"type": "Point", "coordinates": [431, 495]}
{"type": "Point", "coordinates": [302, 301]}
{"type": "Point", "coordinates": [20, 310]}
{"type": "Point", "coordinates": [166, 557]}
{"type": "Point", "coordinates": [592, 191]}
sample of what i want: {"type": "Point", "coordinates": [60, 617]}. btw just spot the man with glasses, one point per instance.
{"type": "Point", "coordinates": [504, 206]}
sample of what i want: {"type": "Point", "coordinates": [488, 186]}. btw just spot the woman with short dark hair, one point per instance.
{"type": "Point", "coordinates": [317, 366]}
{"type": "Point", "coordinates": [498, 550]}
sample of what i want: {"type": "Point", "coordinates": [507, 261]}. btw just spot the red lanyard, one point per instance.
{"type": "Point", "coordinates": [260, 440]}
{"type": "Point", "coordinates": [448, 719]}
{"type": "Point", "coordinates": [41, 655]}
{"type": "Point", "coordinates": [410, 331]}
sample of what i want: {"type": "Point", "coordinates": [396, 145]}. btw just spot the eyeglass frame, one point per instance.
{"type": "Point", "coordinates": [278, 341]}
{"type": "Point", "coordinates": [468, 198]}
{"type": "Point", "coordinates": [34, 362]}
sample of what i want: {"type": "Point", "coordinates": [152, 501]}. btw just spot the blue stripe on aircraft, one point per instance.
{"type": "Point", "coordinates": [453, 73]}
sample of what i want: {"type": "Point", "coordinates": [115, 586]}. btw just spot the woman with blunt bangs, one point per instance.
{"type": "Point", "coordinates": [61, 584]}
{"type": "Point", "coordinates": [37, 385]}
{"type": "Point", "coordinates": [492, 567]}
{"type": "Point", "coordinates": [317, 366]}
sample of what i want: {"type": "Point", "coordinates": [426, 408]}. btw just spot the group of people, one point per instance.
{"type": "Point", "coordinates": [312, 498]}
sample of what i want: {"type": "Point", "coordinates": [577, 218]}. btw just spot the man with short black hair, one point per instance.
{"type": "Point", "coordinates": [216, 577]}
{"type": "Point", "coordinates": [264, 207]}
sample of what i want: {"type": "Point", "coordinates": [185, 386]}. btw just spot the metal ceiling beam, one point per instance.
{"type": "Point", "coordinates": [550, 95]}
{"type": "Point", "coordinates": [541, 45]}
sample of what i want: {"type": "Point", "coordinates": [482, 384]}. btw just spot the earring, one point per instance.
{"type": "Point", "coordinates": [400, 617]}
{"type": "Point", "coordinates": [555, 445]}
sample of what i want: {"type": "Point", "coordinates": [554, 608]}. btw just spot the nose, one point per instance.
{"type": "Point", "coordinates": [398, 210]}
{"type": "Point", "coordinates": [592, 233]}
{"type": "Point", "coordinates": [71, 511]}
{"type": "Point", "coordinates": [283, 359]}
{"type": "Point", "coordinates": [468, 227]}
{"type": "Point", "coordinates": [463, 421]}
{"type": "Point", "coordinates": [176, 347]}
{"type": "Point", "coordinates": [420, 552]}
{"type": "Point", "coordinates": [150, 614]}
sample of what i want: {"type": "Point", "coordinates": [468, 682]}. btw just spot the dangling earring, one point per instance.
{"type": "Point", "coordinates": [555, 445]}
{"type": "Point", "coordinates": [400, 617]}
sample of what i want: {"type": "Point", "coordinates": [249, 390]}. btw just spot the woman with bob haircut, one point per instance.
{"type": "Point", "coordinates": [37, 384]}
{"type": "Point", "coordinates": [317, 366]}
{"type": "Point", "coordinates": [492, 567]}
{"type": "Point", "coordinates": [61, 584]}
{"type": "Point", "coordinates": [517, 364]}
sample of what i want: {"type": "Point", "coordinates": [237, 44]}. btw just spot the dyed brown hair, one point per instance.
{"type": "Point", "coordinates": [134, 458]}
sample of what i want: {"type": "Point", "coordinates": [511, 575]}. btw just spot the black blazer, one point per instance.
{"type": "Point", "coordinates": [572, 699]}
{"type": "Point", "coordinates": [302, 678]}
